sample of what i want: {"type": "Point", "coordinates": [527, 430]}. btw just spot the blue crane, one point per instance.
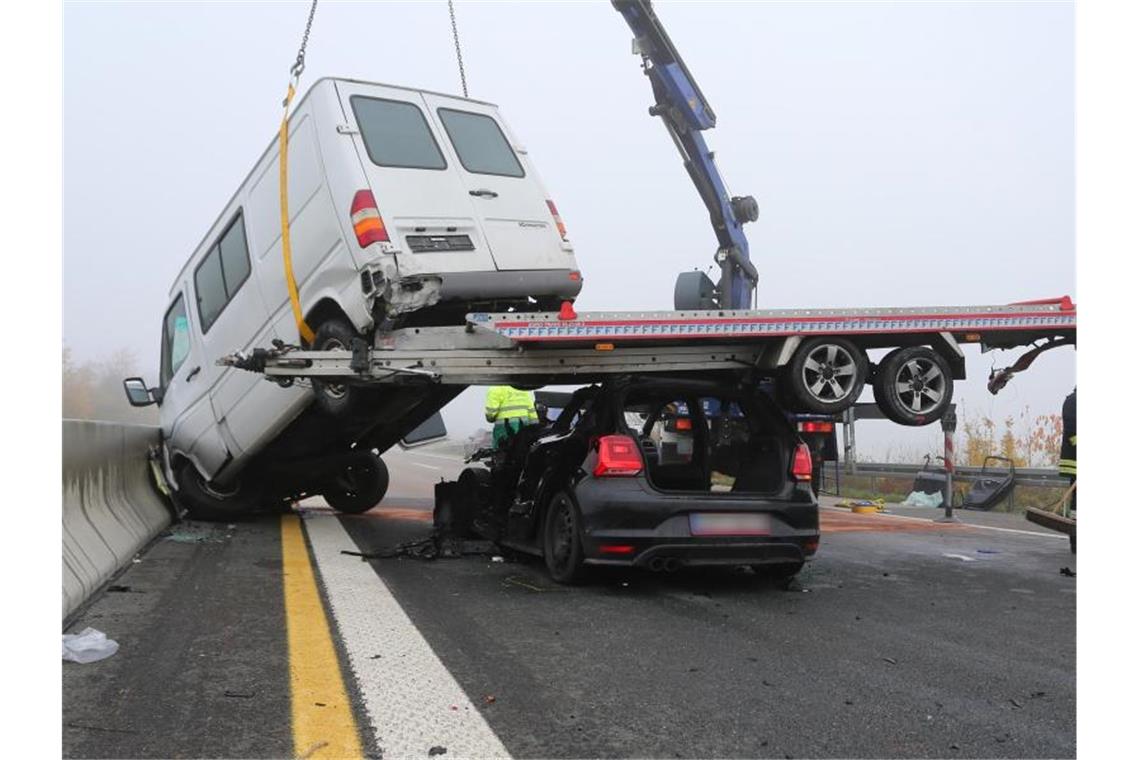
{"type": "Point", "coordinates": [685, 113]}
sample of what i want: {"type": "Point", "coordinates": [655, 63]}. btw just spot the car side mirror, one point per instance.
{"type": "Point", "coordinates": [138, 394]}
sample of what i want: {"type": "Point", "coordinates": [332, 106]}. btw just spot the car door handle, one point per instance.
{"type": "Point", "coordinates": [191, 373]}
{"type": "Point", "coordinates": [483, 193]}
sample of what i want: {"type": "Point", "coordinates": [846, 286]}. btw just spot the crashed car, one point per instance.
{"type": "Point", "coordinates": [648, 472]}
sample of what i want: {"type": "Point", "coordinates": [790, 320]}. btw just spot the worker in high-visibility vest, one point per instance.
{"type": "Point", "coordinates": [1068, 464]}
{"type": "Point", "coordinates": [510, 409]}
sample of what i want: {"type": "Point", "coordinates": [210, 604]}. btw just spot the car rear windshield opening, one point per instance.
{"type": "Point", "coordinates": [396, 134]}
{"type": "Point", "coordinates": [707, 444]}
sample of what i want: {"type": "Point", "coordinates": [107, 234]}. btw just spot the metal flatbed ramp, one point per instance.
{"type": "Point", "coordinates": [552, 347]}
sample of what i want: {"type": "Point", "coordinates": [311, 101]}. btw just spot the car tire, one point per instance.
{"type": "Point", "coordinates": [930, 386]}
{"type": "Point", "coordinates": [562, 541]}
{"type": "Point", "coordinates": [203, 501]}
{"type": "Point", "coordinates": [338, 400]}
{"type": "Point", "coordinates": [826, 375]}
{"type": "Point", "coordinates": [359, 486]}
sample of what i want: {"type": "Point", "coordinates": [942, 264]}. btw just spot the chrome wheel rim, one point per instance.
{"type": "Point", "coordinates": [920, 385]}
{"type": "Point", "coordinates": [829, 373]}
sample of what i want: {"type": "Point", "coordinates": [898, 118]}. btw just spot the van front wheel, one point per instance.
{"type": "Point", "coordinates": [339, 400]}
{"type": "Point", "coordinates": [207, 501]}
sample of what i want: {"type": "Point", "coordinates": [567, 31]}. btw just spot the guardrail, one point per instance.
{"type": "Point", "coordinates": [1039, 477]}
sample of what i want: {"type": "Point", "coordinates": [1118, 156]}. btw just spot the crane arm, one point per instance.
{"type": "Point", "coordinates": [686, 113]}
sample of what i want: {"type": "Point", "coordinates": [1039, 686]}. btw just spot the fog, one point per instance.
{"type": "Point", "coordinates": [901, 153]}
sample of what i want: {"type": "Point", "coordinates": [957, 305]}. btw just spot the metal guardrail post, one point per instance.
{"type": "Point", "coordinates": [949, 427]}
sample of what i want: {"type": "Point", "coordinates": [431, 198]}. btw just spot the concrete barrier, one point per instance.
{"type": "Point", "coordinates": [110, 506]}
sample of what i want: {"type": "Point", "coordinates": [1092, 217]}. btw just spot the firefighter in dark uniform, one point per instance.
{"type": "Point", "coordinates": [1068, 464]}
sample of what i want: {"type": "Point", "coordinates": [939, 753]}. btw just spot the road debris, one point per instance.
{"type": "Point", "coordinates": [890, 660]}
{"type": "Point", "coordinates": [437, 750]}
{"type": "Point", "coordinates": [89, 645]}
{"type": "Point", "coordinates": [121, 589]}
{"type": "Point", "coordinates": [1068, 573]}
{"type": "Point", "coordinates": [488, 699]}
{"type": "Point", "coordinates": [312, 750]}
{"type": "Point", "coordinates": [962, 557]}
{"type": "Point", "coordinates": [1015, 703]}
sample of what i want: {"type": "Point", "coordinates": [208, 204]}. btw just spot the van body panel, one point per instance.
{"type": "Point", "coordinates": [510, 203]}
{"type": "Point", "coordinates": [445, 243]}
{"type": "Point", "coordinates": [421, 200]}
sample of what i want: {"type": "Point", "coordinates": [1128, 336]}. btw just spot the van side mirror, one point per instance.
{"type": "Point", "coordinates": [138, 394]}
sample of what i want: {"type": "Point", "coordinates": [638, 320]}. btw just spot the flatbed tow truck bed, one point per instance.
{"type": "Point", "coordinates": [536, 348]}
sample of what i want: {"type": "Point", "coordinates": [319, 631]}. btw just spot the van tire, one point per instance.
{"type": "Point", "coordinates": [205, 502]}
{"type": "Point", "coordinates": [336, 399]}
{"type": "Point", "coordinates": [360, 484]}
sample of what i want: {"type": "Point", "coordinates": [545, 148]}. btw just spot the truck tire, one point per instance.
{"type": "Point", "coordinates": [359, 486]}
{"type": "Point", "coordinates": [562, 541]}
{"type": "Point", "coordinates": [826, 375]}
{"type": "Point", "coordinates": [336, 399]}
{"type": "Point", "coordinates": [204, 501]}
{"type": "Point", "coordinates": [913, 386]}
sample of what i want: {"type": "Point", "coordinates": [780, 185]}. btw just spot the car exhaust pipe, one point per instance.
{"type": "Point", "coordinates": [672, 565]}
{"type": "Point", "coordinates": [657, 564]}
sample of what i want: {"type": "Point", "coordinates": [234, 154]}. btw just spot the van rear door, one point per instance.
{"type": "Point", "coordinates": [422, 200]}
{"type": "Point", "coordinates": [510, 200]}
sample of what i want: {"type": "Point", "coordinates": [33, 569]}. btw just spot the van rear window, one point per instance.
{"type": "Point", "coordinates": [396, 134]}
{"type": "Point", "coordinates": [480, 143]}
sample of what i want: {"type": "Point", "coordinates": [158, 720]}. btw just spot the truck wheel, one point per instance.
{"type": "Point", "coordinates": [913, 386]}
{"type": "Point", "coordinates": [359, 486]}
{"type": "Point", "coordinates": [562, 541]}
{"type": "Point", "coordinates": [204, 501]}
{"type": "Point", "coordinates": [826, 375]}
{"type": "Point", "coordinates": [337, 399]}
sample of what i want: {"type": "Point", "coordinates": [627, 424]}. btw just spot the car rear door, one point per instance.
{"type": "Point", "coordinates": [420, 196]}
{"type": "Point", "coordinates": [510, 201]}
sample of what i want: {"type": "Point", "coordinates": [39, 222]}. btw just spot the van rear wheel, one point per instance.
{"type": "Point", "coordinates": [359, 485]}
{"type": "Point", "coordinates": [339, 400]}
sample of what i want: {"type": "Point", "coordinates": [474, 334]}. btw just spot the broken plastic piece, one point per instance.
{"type": "Point", "coordinates": [89, 645]}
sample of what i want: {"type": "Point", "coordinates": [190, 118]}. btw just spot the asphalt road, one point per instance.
{"type": "Point", "coordinates": [904, 638]}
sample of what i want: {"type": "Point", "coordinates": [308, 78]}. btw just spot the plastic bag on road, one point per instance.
{"type": "Point", "coordinates": [89, 645]}
{"type": "Point", "coordinates": [920, 499]}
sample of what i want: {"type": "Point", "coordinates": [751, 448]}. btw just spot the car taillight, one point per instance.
{"type": "Point", "coordinates": [684, 423]}
{"type": "Point", "coordinates": [557, 219]}
{"type": "Point", "coordinates": [801, 463]}
{"type": "Point", "coordinates": [617, 456]}
{"type": "Point", "coordinates": [366, 221]}
{"type": "Point", "coordinates": [816, 427]}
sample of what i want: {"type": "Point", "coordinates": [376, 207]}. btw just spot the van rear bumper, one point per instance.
{"type": "Point", "coordinates": [478, 286]}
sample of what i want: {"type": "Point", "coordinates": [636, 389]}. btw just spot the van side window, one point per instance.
{"type": "Point", "coordinates": [221, 273]}
{"type": "Point", "coordinates": [480, 143]}
{"type": "Point", "coordinates": [175, 340]}
{"type": "Point", "coordinates": [396, 134]}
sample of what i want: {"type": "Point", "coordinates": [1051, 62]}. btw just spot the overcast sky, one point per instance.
{"type": "Point", "coordinates": [902, 153]}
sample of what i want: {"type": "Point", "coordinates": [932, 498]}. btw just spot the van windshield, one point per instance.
{"type": "Point", "coordinates": [175, 340]}
{"type": "Point", "coordinates": [396, 134]}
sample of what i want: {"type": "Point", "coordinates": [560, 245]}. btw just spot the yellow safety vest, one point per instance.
{"type": "Point", "coordinates": [506, 403]}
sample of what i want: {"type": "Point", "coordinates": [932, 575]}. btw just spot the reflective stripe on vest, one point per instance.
{"type": "Point", "coordinates": [1067, 467]}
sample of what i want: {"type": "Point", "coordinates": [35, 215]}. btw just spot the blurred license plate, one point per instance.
{"type": "Point", "coordinates": [729, 524]}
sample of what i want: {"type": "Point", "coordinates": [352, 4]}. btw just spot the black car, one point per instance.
{"type": "Point", "coordinates": [651, 472]}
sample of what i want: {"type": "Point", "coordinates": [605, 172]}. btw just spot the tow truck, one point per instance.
{"type": "Point", "coordinates": [815, 360]}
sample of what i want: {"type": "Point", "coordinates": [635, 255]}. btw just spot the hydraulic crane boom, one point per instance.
{"type": "Point", "coordinates": [685, 113]}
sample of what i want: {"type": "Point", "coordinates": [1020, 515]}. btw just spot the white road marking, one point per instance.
{"type": "Point", "coordinates": [412, 702]}
{"type": "Point", "coordinates": [888, 513]}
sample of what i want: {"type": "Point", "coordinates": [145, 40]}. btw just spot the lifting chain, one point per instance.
{"type": "Point", "coordinates": [299, 65]}
{"type": "Point", "coordinates": [458, 51]}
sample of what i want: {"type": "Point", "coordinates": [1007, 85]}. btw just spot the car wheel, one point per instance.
{"type": "Point", "coordinates": [826, 375]}
{"type": "Point", "coordinates": [359, 486]}
{"type": "Point", "coordinates": [562, 541]}
{"type": "Point", "coordinates": [205, 501]}
{"type": "Point", "coordinates": [913, 386]}
{"type": "Point", "coordinates": [339, 400]}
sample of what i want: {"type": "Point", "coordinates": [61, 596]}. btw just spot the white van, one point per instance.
{"type": "Point", "coordinates": [406, 208]}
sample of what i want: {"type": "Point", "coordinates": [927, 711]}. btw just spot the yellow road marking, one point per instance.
{"type": "Point", "coordinates": [323, 723]}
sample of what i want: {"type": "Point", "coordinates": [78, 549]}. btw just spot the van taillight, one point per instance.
{"type": "Point", "coordinates": [617, 456]}
{"type": "Point", "coordinates": [557, 219]}
{"type": "Point", "coordinates": [801, 463]}
{"type": "Point", "coordinates": [366, 221]}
